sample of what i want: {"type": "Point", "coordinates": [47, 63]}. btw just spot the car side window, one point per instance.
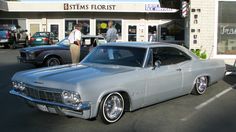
{"type": "Point", "coordinates": [169, 55]}
{"type": "Point", "coordinates": [150, 59]}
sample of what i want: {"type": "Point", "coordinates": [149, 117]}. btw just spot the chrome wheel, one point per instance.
{"type": "Point", "coordinates": [201, 85]}
{"type": "Point", "coordinates": [53, 62]}
{"type": "Point", "coordinates": [112, 107]}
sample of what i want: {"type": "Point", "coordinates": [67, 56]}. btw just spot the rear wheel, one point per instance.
{"type": "Point", "coordinates": [52, 61]}
{"type": "Point", "coordinates": [200, 85]}
{"type": "Point", "coordinates": [111, 108]}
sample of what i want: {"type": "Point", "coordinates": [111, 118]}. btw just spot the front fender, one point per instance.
{"type": "Point", "coordinates": [95, 106]}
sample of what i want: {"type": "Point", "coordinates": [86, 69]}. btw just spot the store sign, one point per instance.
{"type": "Point", "coordinates": [157, 8]}
{"type": "Point", "coordinates": [86, 7]}
{"type": "Point", "coordinates": [228, 30]}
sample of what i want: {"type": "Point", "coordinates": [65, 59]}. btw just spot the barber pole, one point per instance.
{"type": "Point", "coordinates": [184, 9]}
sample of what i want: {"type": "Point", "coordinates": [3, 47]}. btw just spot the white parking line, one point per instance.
{"type": "Point", "coordinates": [202, 105]}
{"type": "Point", "coordinates": [213, 98]}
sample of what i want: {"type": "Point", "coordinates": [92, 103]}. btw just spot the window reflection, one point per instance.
{"type": "Point", "coordinates": [69, 26]}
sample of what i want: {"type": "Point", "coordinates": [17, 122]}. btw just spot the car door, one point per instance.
{"type": "Point", "coordinates": [165, 82]}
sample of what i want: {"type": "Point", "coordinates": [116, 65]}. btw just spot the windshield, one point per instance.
{"type": "Point", "coordinates": [64, 42]}
{"type": "Point", "coordinates": [117, 55]}
{"type": "Point", "coordinates": [41, 34]}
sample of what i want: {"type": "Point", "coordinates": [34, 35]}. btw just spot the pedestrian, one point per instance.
{"type": "Point", "coordinates": [111, 35]}
{"type": "Point", "coordinates": [75, 43]}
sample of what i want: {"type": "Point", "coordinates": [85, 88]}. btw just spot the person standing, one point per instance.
{"type": "Point", "coordinates": [75, 43]}
{"type": "Point", "coordinates": [111, 35]}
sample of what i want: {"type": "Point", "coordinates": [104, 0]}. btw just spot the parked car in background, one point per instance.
{"type": "Point", "coordinates": [11, 36]}
{"type": "Point", "coordinates": [59, 53]}
{"type": "Point", "coordinates": [115, 78]}
{"type": "Point", "coordinates": [43, 38]}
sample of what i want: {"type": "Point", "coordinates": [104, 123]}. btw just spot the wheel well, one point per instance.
{"type": "Point", "coordinates": [126, 97]}
{"type": "Point", "coordinates": [56, 56]}
{"type": "Point", "coordinates": [208, 80]}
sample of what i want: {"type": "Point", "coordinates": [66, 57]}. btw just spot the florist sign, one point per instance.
{"type": "Point", "coordinates": [89, 7]}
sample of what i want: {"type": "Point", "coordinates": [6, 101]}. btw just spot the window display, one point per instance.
{"type": "Point", "coordinates": [69, 26]}
{"type": "Point", "coordinates": [102, 26]}
{"type": "Point", "coordinates": [226, 28]}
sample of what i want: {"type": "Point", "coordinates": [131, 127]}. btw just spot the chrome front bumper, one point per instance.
{"type": "Point", "coordinates": [82, 110]}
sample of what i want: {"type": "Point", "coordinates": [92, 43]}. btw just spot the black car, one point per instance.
{"type": "Point", "coordinates": [57, 54]}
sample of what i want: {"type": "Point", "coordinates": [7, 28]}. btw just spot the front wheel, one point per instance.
{"type": "Point", "coordinates": [200, 85]}
{"type": "Point", "coordinates": [111, 108]}
{"type": "Point", "coordinates": [52, 61]}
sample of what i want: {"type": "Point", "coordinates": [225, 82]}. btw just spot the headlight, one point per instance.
{"type": "Point", "coordinates": [70, 98]}
{"type": "Point", "coordinates": [18, 85]}
{"type": "Point", "coordinates": [31, 55]}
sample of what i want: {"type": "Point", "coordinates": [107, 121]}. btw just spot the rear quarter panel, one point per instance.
{"type": "Point", "coordinates": [214, 69]}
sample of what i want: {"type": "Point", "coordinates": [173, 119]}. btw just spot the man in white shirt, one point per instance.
{"type": "Point", "coordinates": [75, 43]}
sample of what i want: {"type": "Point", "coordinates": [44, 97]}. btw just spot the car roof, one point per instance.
{"type": "Point", "coordinates": [151, 45]}
{"type": "Point", "coordinates": [142, 44]}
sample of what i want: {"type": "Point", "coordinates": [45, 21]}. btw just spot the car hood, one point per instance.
{"type": "Point", "coordinates": [39, 48]}
{"type": "Point", "coordinates": [66, 74]}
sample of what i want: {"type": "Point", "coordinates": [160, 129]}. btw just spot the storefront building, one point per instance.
{"type": "Point", "coordinates": [212, 27]}
{"type": "Point", "coordinates": [144, 20]}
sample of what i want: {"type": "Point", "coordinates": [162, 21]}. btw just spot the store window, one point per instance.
{"type": "Point", "coordinates": [69, 26]}
{"type": "Point", "coordinates": [152, 33]}
{"type": "Point", "coordinates": [226, 28]}
{"type": "Point", "coordinates": [102, 26]}
{"type": "Point", "coordinates": [172, 32]}
{"type": "Point", "coordinates": [15, 24]}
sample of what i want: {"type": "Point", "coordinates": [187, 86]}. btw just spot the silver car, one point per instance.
{"type": "Point", "coordinates": [115, 78]}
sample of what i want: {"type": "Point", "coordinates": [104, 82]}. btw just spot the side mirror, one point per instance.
{"type": "Point", "coordinates": [157, 64]}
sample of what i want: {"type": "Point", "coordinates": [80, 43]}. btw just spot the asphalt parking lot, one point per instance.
{"type": "Point", "coordinates": [214, 111]}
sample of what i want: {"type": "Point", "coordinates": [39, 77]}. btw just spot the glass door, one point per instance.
{"type": "Point", "coordinates": [152, 33]}
{"type": "Point", "coordinates": [132, 33]}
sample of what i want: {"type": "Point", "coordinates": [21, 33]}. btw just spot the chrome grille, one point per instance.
{"type": "Point", "coordinates": [43, 95]}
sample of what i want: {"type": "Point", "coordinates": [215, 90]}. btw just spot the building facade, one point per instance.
{"type": "Point", "coordinates": [134, 21]}
{"type": "Point", "coordinates": [209, 25]}
{"type": "Point", "coordinates": [212, 27]}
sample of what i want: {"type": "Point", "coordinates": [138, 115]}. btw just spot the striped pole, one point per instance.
{"type": "Point", "coordinates": [184, 9]}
